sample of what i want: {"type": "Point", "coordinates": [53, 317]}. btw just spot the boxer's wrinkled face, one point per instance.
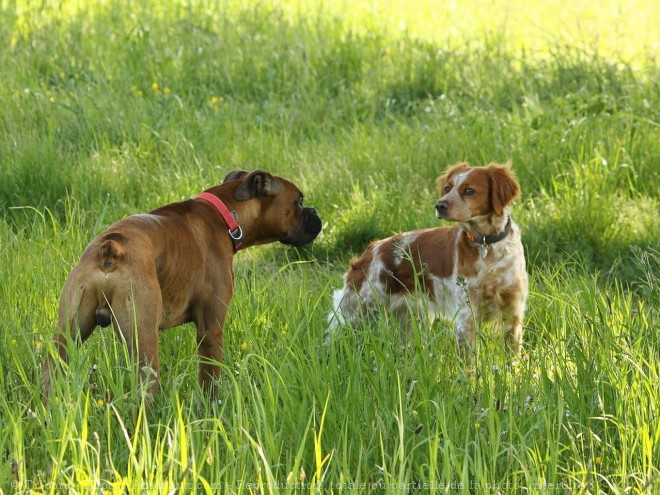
{"type": "Point", "coordinates": [306, 224]}
{"type": "Point", "coordinates": [283, 216]}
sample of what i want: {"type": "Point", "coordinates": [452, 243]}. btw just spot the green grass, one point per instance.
{"type": "Point", "coordinates": [110, 108]}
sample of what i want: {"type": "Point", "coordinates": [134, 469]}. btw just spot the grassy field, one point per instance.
{"type": "Point", "coordinates": [111, 108]}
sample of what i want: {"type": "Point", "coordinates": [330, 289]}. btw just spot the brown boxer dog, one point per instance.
{"type": "Point", "coordinates": [153, 271]}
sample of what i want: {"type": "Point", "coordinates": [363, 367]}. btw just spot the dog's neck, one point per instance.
{"type": "Point", "coordinates": [247, 213]}
{"type": "Point", "coordinates": [483, 226]}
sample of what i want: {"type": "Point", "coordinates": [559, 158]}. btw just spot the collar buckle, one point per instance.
{"type": "Point", "coordinates": [230, 218]}
{"type": "Point", "coordinates": [236, 237]}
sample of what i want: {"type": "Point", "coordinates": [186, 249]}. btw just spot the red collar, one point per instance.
{"type": "Point", "coordinates": [235, 231]}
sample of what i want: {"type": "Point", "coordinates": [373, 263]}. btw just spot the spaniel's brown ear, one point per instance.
{"type": "Point", "coordinates": [504, 186]}
{"type": "Point", "coordinates": [446, 176]}
{"type": "Point", "coordinates": [235, 175]}
{"type": "Point", "coordinates": [258, 183]}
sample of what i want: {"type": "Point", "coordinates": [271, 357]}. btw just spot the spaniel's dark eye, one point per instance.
{"type": "Point", "coordinates": [447, 189]}
{"type": "Point", "coordinates": [469, 191]}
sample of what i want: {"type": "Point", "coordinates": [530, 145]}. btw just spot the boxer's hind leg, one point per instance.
{"type": "Point", "coordinates": [76, 320]}
{"type": "Point", "coordinates": [210, 342]}
{"type": "Point", "coordinates": [136, 308]}
{"type": "Point", "coordinates": [210, 321]}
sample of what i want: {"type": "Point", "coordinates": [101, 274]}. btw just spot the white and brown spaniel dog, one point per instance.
{"type": "Point", "coordinates": [472, 272]}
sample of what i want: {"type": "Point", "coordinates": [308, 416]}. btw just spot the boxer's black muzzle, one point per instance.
{"type": "Point", "coordinates": [310, 228]}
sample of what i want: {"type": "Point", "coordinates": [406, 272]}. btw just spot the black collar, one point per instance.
{"type": "Point", "coordinates": [486, 240]}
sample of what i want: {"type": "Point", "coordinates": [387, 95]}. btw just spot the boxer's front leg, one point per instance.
{"type": "Point", "coordinates": [210, 339]}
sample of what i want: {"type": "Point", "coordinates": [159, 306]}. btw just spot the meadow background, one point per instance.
{"type": "Point", "coordinates": [115, 107]}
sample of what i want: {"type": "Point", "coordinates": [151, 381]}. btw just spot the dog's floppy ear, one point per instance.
{"type": "Point", "coordinates": [504, 186]}
{"type": "Point", "coordinates": [444, 178]}
{"type": "Point", "coordinates": [258, 183]}
{"type": "Point", "coordinates": [235, 175]}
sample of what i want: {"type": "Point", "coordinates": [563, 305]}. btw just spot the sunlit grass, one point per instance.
{"type": "Point", "coordinates": [575, 412]}
{"type": "Point", "coordinates": [110, 108]}
{"type": "Point", "coordinates": [620, 30]}
{"type": "Point", "coordinates": [617, 30]}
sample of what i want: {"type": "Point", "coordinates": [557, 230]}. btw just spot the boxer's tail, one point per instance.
{"type": "Point", "coordinates": [111, 252]}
